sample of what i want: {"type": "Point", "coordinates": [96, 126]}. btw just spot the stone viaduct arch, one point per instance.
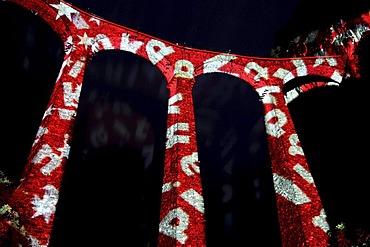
{"type": "Point", "coordinates": [301, 214]}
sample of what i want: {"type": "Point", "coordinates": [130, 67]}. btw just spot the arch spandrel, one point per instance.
{"type": "Point", "coordinates": [85, 34]}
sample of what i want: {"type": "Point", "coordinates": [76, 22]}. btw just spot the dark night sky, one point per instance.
{"type": "Point", "coordinates": [230, 131]}
{"type": "Point", "coordinates": [243, 27]}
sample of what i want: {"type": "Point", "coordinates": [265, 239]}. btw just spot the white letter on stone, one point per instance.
{"type": "Point", "coordinates": [157, 50]}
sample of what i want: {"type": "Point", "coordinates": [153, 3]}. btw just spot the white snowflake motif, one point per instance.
{"type": "Point", "coordinates": [85, 40]}
{"type": "Point", "coordinates": [46, 205]}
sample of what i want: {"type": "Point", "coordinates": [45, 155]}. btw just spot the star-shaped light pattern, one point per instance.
{"type": "Point", "coordinates": [64, 9]}
{"type": "Point", "coordinates": [46, 205]}
{"type": "Point", "coordinates": [85, 40]}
